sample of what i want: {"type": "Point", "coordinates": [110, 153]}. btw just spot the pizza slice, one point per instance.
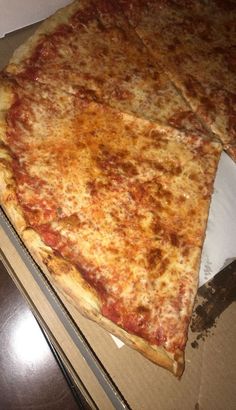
{"type": "Point", "coordinates": [112, 207]}
{"type": "Point", "coordinates": [89, 48]}
{"type": "Point", "coordinates": [194, 41]}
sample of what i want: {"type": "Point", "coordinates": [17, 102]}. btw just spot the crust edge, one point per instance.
{"type": "Point", "coordinates": [24, 51]}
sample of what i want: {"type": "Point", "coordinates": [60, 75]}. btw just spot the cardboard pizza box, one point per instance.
{"type": "Point", "coordinates": [113, 375]}
{"type": "Point", "coordinates": [17, 14]}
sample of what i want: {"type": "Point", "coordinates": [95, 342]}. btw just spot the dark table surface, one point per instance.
{"type": "Point", "coordinates": [30, 375]}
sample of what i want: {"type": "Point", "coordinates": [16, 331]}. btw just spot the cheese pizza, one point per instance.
{"type": "Point", "coordinates": [107, 174]}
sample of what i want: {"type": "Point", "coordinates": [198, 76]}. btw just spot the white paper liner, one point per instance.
{"type": "Point", "coordinates": [220, 243]}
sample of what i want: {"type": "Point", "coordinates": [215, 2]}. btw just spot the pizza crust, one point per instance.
{"type": "Point", "coordinates": [8, 197]}
{"type": "Point", "coordinates": [68, 280]}
{"type": "Point", "coordinates": [24, 52]}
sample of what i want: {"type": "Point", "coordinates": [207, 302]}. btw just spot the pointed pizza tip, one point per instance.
{"type": "Point", "coordinates": [178, 367]}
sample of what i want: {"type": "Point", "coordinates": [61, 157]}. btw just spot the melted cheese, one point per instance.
{"type": "Point", "coordinates": [124, 200]}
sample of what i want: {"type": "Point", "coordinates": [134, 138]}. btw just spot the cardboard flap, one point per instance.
{"type": "Point", "coordinates": [17, 14]}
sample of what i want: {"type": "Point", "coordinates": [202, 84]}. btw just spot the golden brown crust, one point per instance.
{"type": "Point", "coordinates": [7, 185]}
